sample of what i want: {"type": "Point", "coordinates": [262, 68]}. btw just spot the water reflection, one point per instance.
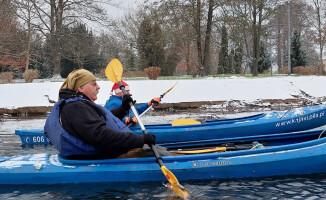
{"type": "Point", "coordinates": [287, 187]}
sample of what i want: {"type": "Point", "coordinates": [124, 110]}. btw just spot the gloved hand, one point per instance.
{"type": "Point", "coordinates": [131, 121]}
{"type": "Point", "coordinates": [149, 139]}
{"type": "Point", "coordinates": [154, 101]}
{"type": "Point", "coordinates": [125, 101]}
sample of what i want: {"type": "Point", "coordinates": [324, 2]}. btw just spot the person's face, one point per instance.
{"type": "Point", "coordinates": [120, 94]}
{"type": "Point", "coordinates": [90, 89]}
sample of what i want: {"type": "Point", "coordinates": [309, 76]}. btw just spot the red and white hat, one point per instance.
{"type": "Point", "coordinates": [116, 87]}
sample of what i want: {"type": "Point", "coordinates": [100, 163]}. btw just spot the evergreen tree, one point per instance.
{"type": "Point", "coordinates": [144, 43]}
{"type": "Point", "coordinates": [157, 47]}
{"type": "Point", "coordinates": [231, 61]}
{"type": "Point", "coordinates": [80, 50]}
{"type": "Point", "coordinates": [298, 56]}
{"type": "Point", "coordinates": [264, 61]}
{"type": "Point", "coordinates": [131, 59]}
{"type": "Point", "coordinates": [67, 66]}
{"type": "Point", "coordinates": [223, 62]}
{"type": "Point", "coordinates": [48, 58]}
{"type": "Point", "coordinates": [237, 58]}
{"type": "Point", "coordinates": [151, 46]}
{"type": "Point", "coordinates": [171, 62]}
{"type": "Point", "coordinates": [39, 60]}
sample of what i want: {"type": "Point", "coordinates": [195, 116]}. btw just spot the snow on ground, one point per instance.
{"type": "Point", "coordinates": [17, 95]}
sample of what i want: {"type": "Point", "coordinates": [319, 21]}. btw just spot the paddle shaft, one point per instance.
{"type": "Point", "coordinates": [114, 72]}
{"type": "Point", "coordinates": [161, 97]}
{"type": "Point", "coordinates": [157, 155]}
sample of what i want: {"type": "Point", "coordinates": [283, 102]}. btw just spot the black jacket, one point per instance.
{"type": "Point", "coordinates": [87, 122]}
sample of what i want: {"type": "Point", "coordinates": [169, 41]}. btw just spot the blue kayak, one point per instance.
{"type": "Point", "coordinates": [293, 153]}
{"type": "Point", "coordinates": [297, 119]}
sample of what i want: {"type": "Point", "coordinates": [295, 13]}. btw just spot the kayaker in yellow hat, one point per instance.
{"type": "Point", "coordinates": [81, 129]}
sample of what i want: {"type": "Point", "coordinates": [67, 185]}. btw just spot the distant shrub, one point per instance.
{"type": "Point", "coordinates": [152, 72]}
{"type": "Point", "coordinates": [283, 70]}
{"type": "Point", "coordinates": [301, 70]}
{"type": "Point", "coordinates": [266, 71]}
{"type": "Point", "coordinates": [30, 75]}
{"type": "Point", "coordinates": [321, 69]}
{"type": "Point", "coordinates": [6, 77]}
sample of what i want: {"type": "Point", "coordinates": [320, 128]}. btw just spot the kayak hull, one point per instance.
{"type": "Point", "coordinates": [286, 154]}
{"type": "Point", "coordinates": [265, 123]}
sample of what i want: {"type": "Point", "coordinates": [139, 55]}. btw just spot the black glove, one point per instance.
{"type": "Point", "coordinates": [149, 139]}
{"type": "Point", "coordinates": [125, 101]}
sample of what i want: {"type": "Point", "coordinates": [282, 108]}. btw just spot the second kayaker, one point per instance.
{"type": "Point", "coordinates": [115, 101]}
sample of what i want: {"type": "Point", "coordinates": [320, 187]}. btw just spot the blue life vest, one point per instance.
{"type": "Point", "coordinates": [68, 144]}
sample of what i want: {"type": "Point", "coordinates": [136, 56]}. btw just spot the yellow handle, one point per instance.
{"type": "Point", "coordinates": [215, 149]}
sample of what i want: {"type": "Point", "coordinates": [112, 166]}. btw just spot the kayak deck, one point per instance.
{"type": "Point", "coordinates": [260, 124]}
{"type": "Point", "coordinates": [283, 154]}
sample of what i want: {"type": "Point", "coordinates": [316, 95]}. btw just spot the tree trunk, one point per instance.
{"type": "Point", "coordinates": [28, 49]}
{"type": "Point", "coordinates": [197, 20]}
{"type": "Point", "coordinates": [206, 63]}
{"type": "Point", "coordinates": [320, 36]}
{"type": "Point", "coordinates": [256, 34]}
{"type": "Point", "coordinates": [279, 50]}
{"type": "Point", "coordinates": [188, 60]}
{"type": "Point", "coordinates": [56, 26]}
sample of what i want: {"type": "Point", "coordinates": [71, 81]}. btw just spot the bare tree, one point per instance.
{"type": "Point", "coordinates": [54, 15]}
{"type": "Point", "coordinates": [320, 9]}
{"type": "Point", "coordinates": [254, 14]}
{"type": "Point", "coordinates": [197, 13]}
{"type": "Point", "coordinates": [11, 36]}
{"type": "Point", "coordinates": [190, 21]}
{"type": "Point", "coordinates": [206, 59]}
{"type": "Point", "coordinates": [180, 34]}
{"type": "Point", "coordinates": [301, 20]}
{"type": "Point", "coordinates": [26, 14]}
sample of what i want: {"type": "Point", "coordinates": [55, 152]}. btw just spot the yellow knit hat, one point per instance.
{"type": "Point", "coordinates": [77, 78]}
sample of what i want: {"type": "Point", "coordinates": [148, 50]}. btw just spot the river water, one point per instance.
{"type": "Point", "coordinates": [283, 187]}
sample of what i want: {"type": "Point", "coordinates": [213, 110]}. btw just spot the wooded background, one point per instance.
{"type": "Point", "coordinates": [189, 37]}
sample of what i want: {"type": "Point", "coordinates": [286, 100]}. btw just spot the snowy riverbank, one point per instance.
{"type": "Point", "coordinates": [250, 90]}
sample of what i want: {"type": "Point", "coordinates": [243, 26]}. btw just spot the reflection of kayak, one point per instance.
{"type": "Point", "coordinates": [278, 154]}
{"type": "Point", "coordinates": [297, 119]}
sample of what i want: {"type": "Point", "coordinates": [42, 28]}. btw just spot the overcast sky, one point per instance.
{"type": "Point", "coordinates": [121, 7]}
{"type": "Point", "coordinates": [115, 11]}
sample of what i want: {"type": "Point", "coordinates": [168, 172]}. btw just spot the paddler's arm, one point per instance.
{"type": "Point", "coordinates": [91, 128]}
{"type": "Point", "coordinates": [122, 110]}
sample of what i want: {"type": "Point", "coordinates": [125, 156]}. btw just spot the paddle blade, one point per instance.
{"type": "Point", "coordinates": [177, 188]}
{"type": "Point", "coordinates": [114, 70]}
{"type": "Point", "coordinates": [170, 88]}
{"type": "Point", "coordinates": [180, 122]}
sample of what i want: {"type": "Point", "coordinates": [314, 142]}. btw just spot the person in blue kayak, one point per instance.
{"type": "Point", "coordinates": [115, 101]}
{"type": "Point", "coordinates": [81, 129]}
